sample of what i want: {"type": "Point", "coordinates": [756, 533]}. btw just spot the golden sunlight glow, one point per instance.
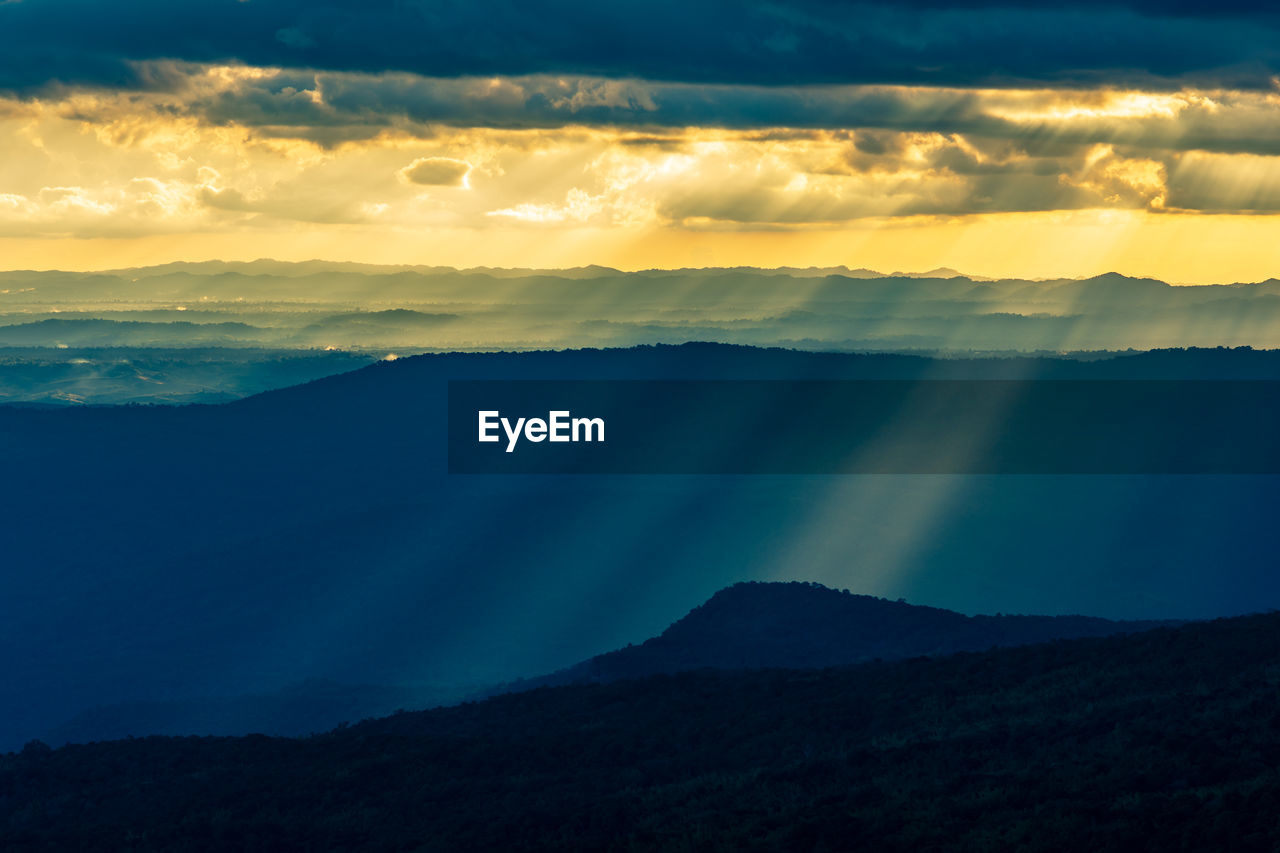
{"type": "Point", "coordinates": [1026, 183]}
{"type": "Point", "coordinates": [1066, 106]}
{"type": "Point", "coordinates": [1178, 249]}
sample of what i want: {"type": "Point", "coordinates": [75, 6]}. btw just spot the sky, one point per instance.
{"type": "Point", "coordinates": [999, 138]}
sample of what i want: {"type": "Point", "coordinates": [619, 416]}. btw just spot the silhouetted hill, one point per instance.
{"type": "Point", "coordinates": [805, 625]}
{"type": "Point", "coordinates": [750, 625]}
{"type": "Point", "coordinates": [124, 333]}
{"type": "Point", "coordinates": [1166, 739]}
{"type": "Point", "coordinates": [391, 317]}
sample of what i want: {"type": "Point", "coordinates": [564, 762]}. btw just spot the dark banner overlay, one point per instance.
{"type": "Point", "coordinates": [864, 427]}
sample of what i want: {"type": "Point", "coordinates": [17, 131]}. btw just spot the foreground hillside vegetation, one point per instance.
{"type": "Point", "coordinates": [1167, 739]}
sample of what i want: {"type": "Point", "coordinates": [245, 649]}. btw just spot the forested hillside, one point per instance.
{"type": "Point", "coordinates": [1167, 739]}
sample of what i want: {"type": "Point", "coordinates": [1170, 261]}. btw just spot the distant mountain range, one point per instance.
{"type": "Point", "coordinates": [401, 309]}
{"type": "Point", "coordinates": [267, 266]}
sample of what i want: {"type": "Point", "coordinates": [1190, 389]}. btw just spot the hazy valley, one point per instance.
{"type": "Point", "coordinates": [203, 332]}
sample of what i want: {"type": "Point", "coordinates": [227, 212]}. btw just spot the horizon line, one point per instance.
{"type": "Point", "coordinates": [868, 272]}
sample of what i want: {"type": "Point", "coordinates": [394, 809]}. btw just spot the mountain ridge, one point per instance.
{"type": "Point", "coordinates": [750, 625]}
{"type": "Point", "coordinates": [805, 625]}
{"type": "Point", "coordinates": [1158, 740]}
{"type": "Point", "coordinates": [273, 266]}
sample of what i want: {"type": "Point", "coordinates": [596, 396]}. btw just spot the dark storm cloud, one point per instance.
{"type": "Point", "coordinates": [333, 107]}
{"type": "Point", "coordinates": [88, 42]}
{"type": "Point", "coordinates": [545, 101]}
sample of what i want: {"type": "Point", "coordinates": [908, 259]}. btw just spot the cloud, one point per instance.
{"type": "Point", "coordinates": [437, 171]}
{"type": "Point", "coordinates": [129, 208]}
{"type": "Point", "coordinates": [803, 42]}
{"type": "Point", "coordinates": [226, 199]}
{"type": "Point", "coordinates": [335, 108]}
{"type": "Point", "coordinates": [233, 150]}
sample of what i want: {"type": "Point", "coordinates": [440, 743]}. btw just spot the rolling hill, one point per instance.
{"type": "Point", "coordinates": [802, 625]}
{"type": "Point", "coordinates": [1160, 739]}
{"type": "Point", "coordinates": [746, 626]}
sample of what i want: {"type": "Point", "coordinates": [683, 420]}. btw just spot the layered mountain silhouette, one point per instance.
{"type": "Point", "coordinates": [420, 309]}
{"type": "Point", "coordinates": [797, 625]}
{"type": "Point", "coordinates": [158, 553]}
{"type": "Point", "coordinates": [749, 625]}
{"type": "Point", "coordinates": [1163, 739]}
